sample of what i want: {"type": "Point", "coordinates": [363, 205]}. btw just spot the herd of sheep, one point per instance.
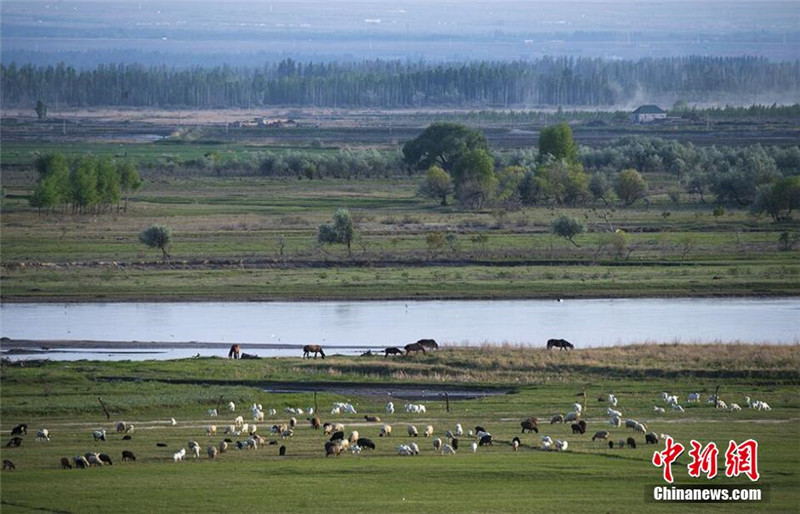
{"type": "Point", "coordinates": [244, 435]}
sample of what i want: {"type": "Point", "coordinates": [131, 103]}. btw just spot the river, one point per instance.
{"type": "Point", "coordinates": [279, 328]}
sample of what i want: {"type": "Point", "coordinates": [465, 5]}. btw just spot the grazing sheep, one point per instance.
{"type": "Point", "coordinates": [428, 431]}
{"type": "Point", "coordinates": [612, 412]}
{"type": "Point", "coordinates": [412, 431]}
{"type": "Point", "coordinates": [211, 451]}
{"type": "Point", "coordinates": [414, 448]}
{"type": "Point", "coordinates": [651, 438]}
{"type": "Point", "coordinates": [353, 437]}
{"type": "Point", "coordinates": [735, 407]}
{"type": "Point", "coordinates": [601, 434]}
{"type": "Point", "coordinates": [337, 436]}
{"type": "Point", "coordinates": [196, 451]}
{"type": "Point", "coordinates": [128, 455]}
{"type": "Point", "coordinates": [258, 415]}
{"type": "Point", "coordinates": [327, 429]}
{"type": "Point", "coordinates": [8, 465]}
{"type": "Point", "coordinates": [486, 440]}
{"type": "Point", "coordinates": [615, 421]}
{"type": "Point", "coordinates": [577, 407]}
{"type": "Point", "coordinates": [459, 430]}
{"type": "Point", "coordinates": [722, 405]}
{"type": "Point", "coordinates": [332, 449]}
{"type": "Point", "coordinates": [390, 408]}
{"type": "Point", "coordinates": [372, 419]}
{"type": "Point", "coordinates": [231, 406]}
{"type": "Point", "coordinates": [582, 424]}
{"type": "Point", "coordinates": [94, 459]}
{"type": "Point", "coordinates": [161, 445]}
{"type": "Point", "coordinates": [515, 443]}
{"type": "Point", "coordinates": [454, 442]}
{"type": "Point", "coordinates": [404, 449]}
{"type": "Point", "coordinates": [677, 408]}
{"type": "Point", "coordinates": [640, 427]}
{"type": "Point", "coordinates": [272, 412]}
{"type": "Point", "coordinates": [99, 435]}
{"type": "Point", "coordinates": [21, 429]}
{"type": "Point", "coordinates": [80, 462]}
{"type": "Point", "coordinates": [211, 430]}
{"type": "Point", "coordinates": [620, 444]}
{"type": "Point", "coordinates": [547, 439]}
{"type": "Point", "coordinates": [287, 433]}
{"type": "Point", "coordinates": [65, 463]}
{"type": "Point", "coordinates": [315, 422]}
{"type": "Point", "coordinates": [474, 447]}
{"type": "Point", "coordinates": [658, 410]}
{"type": "Point", "coordinates": [545, 445]}
{"type": "Point", "coordinates": [105, 458]}
{"type": "Point", "coordinates": [577, 429]}
{"type": "Point", "coordinates": [631, 423]}
{"type": "Point", "coordinates": [338, 427]}
{"type": "Point", "coordinates": [558, 418]}
{"type": "Point", "coordinates": [529, 425]}
{"type": "Point", "coordinates": [223, 446]}
{"type": "Point", "coordinates": [282, 451]}
{"type": "Point", "coordinates": [238, 421]}
{"type": "Point", "coordinates": [631, 443]}
{"type": "Point", "coordinates": [479, 429]}
{"type": "Point", "coordinates": [15, 442]}
{"type": "Point", "coordinates": [127, 437]}
{"type": "Point", "coordinates": [693, 397]}
{"type": "Point", "coordinates": [245, 428]}
{"type": "Point", "coordinates": [561, 445]}
{"type": "Point", "coordinates": [437, 444]}
{"type": "Point", "coordinates": [212, 413]}
{"type": "Point", "coordinates": [253, 429]}
{"type": "Point", "coordinates": [292, 422]}
{"type": "Point", "coordinates": [448, 450]}
{"type": "Point", "coordinates": [355, 449]}
{"type": "Point", "coordinates": [179, 455]}
{"type": "Point", "coordinates": [43, 435]}
{"type": "Point", "coordinates": [571, 416]}
{"type": "Point", "coordinates": [365, 442]}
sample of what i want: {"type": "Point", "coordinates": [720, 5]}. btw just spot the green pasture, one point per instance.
{"type": "Point", "coordinates": [589, 477]}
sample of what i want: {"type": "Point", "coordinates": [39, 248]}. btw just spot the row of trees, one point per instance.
{"type": "Point", "coordinates": [84, 184]}
{"type": "Point", "coordinates": [546, 81]}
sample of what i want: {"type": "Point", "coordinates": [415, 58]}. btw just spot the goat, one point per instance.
{"type": "Point", "coordinates": [128, 455]}
{"type": "Point", "coordinates": [43, 435]}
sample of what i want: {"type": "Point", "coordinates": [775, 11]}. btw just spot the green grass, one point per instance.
{"type": "Point", "coordinates": [62, 396]}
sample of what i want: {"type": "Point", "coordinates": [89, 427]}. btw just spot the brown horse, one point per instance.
{"type": "Point", "coordinates": [392, 350]}
{"type": "Point", "coordinates": [559, 343]}
{"type": "Point", "coordinates": [312, 348]}
{"type": "Point", "coordinates": [414, 347]}
{"type": "Point", "coordinates": [235, 351]}
{"type": "Point", "coordinates": [430, 344]}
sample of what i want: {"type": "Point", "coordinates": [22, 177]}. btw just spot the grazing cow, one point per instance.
{"type": "Point", "coordinates": [312, 348]}
{"type": "Point", "coordinates": [235, 351]}
{"type": "Point", "coordinates": [430, 344]}
{"type": "Point", "coordinates": [414, 347]}
{"type": "Point", "coordinates": [559, 343]}
{"type": "Point", "coordinates": [392, 350]}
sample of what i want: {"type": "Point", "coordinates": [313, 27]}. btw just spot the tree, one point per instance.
{"type": "Point", "coordinates": [599, 187]}
{"type": "Point", "coordinates": [157, 236]}
{"type": "Point", "coordinates": [437, 185]}
{"type": "Point", "coordinates": [442, 144]}
{"type": "Point", "coordinates": [567, 227]}
{"type": "Point", "coordinates": [557, 141]}
{"type": "Point", "coordinates": [774, 199]}
{"type": "Point", "coordinates": [41, 109]}
{"type": "Point", "coordinates": [130, 181]}
{"type": "Point", "coordinates": [630, 186]}
{"type": "Point", "coordinates": [342, 231]}
{"type": "Point", "coordinates": [475, 181]}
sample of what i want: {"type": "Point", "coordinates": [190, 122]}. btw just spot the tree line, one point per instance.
{"type": "Point", "coordinates": [85, 184]}
{"type": "Point", "coordinates": [545, 81]}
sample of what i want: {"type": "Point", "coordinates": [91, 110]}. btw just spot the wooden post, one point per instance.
{"type": "Point", "coordinates": [219, 402]}
{"type": "Point", "coordinates": [716, 397]}
{"type": "Point", "coordinates": [447, 401]}
{"type": "Point", "coordinates": [104, 407]}
{"type": "Point", "coordinates": [316, 409]}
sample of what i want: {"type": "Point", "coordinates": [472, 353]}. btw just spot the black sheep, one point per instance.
{"type": "Point", "coordinates": [337, 435]}
{"type": "Point", "coordinates": [454, 443]}
{"type": "Point", "coordinates": [366, 443]}
{"type": "Point", "coordinates": [21, 429]}
{"type": "Point", "coordinates": [128, 455]}
{"type": "Point", "coordinates": [631, 443]}
{"type": "Point", "coordinates": [15, 442]}
{"type": "Point", "coordinates": [282, 450]}
{"type": "Point", "coordinates": [486, 440]}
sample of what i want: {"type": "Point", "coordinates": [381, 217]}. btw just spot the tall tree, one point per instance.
{"type": "Point", "coordinates": [41, 109]}
{"type": "Point", "coordinates": [341, 231]}
{"type": "Point", "coordinates": [437, 184]}
{"type": "Point", "coordinates": [630, 186]}
{"type": "Point", "coordinates": [557, 141]}
{"type": "Point", "coordinates": [442, 144]}
{"type": "Point", "coordinates": [474, 178]}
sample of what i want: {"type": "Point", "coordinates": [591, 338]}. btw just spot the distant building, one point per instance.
{"type": "Point", "coordinates": [648, 113]}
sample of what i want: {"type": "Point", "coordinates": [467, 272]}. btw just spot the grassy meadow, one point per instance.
{"type": "Point", "coordinates": [589, 477]}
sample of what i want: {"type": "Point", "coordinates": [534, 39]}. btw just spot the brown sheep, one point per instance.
{"type": "Point", "coordinates": [558, 418]}
{"type": "Point", "coordinates": [529, 425]}
{"type": "Point", "coordinates": [128, 455]}
{"type": "Point", "coordinates": [315, 422]}
{"type": "Point", "coordinates": [332, 449]}
{"type": "Point", "coordinates": [65, 463]}
{"type": "Point", "coordinates": [602, 434]}
{"type": "Point", "coordinates": [577, 429]}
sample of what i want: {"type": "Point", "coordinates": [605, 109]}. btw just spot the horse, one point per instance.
{"type": "Point", "coordinates": [312, 348]}
{"type": "Point", "coordinates": [414, 347]}
{"type": "Point", "coordinates": [392, 350]}
{"type": "Point", "coordinates": [559, 343]}
{"type": "Point", "coordinates": [430, 344]}
{"type": "Point", "coordinates": [235, 351]}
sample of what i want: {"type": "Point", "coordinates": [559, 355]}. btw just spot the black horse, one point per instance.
{"type": "Point", "coordinates": [559, 343]}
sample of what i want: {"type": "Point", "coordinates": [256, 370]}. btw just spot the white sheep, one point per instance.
{"type": "Point", "coordinates": [474, 447]}
{"type": "Point", "coordinates": [412, 431]}
{"type": "Point", "coordinates": [292, 422]}
{"type": "Point", "coordinates": [672, 400]}
{"type": "Point", "coordinates": [253, 429]}
{"type": "Point", "coordinates": [448, 450]}
{"type": "Point", "coordinates": [231, 406]}
{"type": "Point", "coordinates": [640, 427]}
{"type": "Point", "coordinates": [437, 444]}
{"type": "Point", "coordinates": [211, 430]}
{"type": "Point", "coordinates": [338, 427]}
{"type": "Point", "coordinates": [722, 405]}
{"type": "Point", "coordinates": [99, 435]}
{"type": "Point", "coordinates": [612, 400]}
{"type": "Point", "coordinates": [223, 446]}
{"type": "Point", "coordinates": [404, 450]}
{"type": "Point", "coordinates": [571, 416]}
{"type": "Point", "coordinates": [677, 408]}
{"type": "Point", "coordinates": [547, 440]}
{"type": "Point", "coordinates": [615, 421]}
{"type": "Point", "coordinates": [735, 407]}
{"type": "Point", "coordinates": [173, 422]}
{"type": "Point", "coordinates": [390, 408]}
{"type": "Point", "coordinates": [179, 455]}
{"type": "Point", "coordinates": [231, 429]}
{"type": "Point", "coordinates": [577, 407]}
{"type": "Point", "coordinates": [211, 451]}
{"type": "Point", "coordinates": [212, 413]}
{"type": "Point", "coordinates": [631, 423]}
{"type": "Point", "coordinates": [658, 410]}
{"type": "Point", "coordinates": [545, 445]}
{"type": "Point", "coordinates": [693, 397]}
{"type": "Point", "coordinates": [612, 412]}
{"type": "Point", "coordinates": [43, 435]}
{"type": "Point", "coordinates": [428, 431]}
{"type": "Point", "coordinates": [561, 445]}
{"type": "Point", "coordinates": [245, 428]}
{"type": "Point", "coordinates": [310, 411]}
{"type": "Point", "coordinates": [664, 396]}
{"type": "Point", "coordinates": [238, 421]}
{"type": "Point", "coordinates": [353, 437]}
{"type": "Point", "coordinates": [258, 415]}
{"type": "Point", "coordinates": [414, 448]}
{"type": "Point", "coordinates": [459, 431]}
{"type": "Point", "coordinates": [196, 451]}
{"type": "Point", "coordinates": [336, 411]}
{"type": "Point", "coordinates": [386, 430]}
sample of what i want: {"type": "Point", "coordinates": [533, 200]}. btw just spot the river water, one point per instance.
{"type": "Point", "coordinates": [279, 328]}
